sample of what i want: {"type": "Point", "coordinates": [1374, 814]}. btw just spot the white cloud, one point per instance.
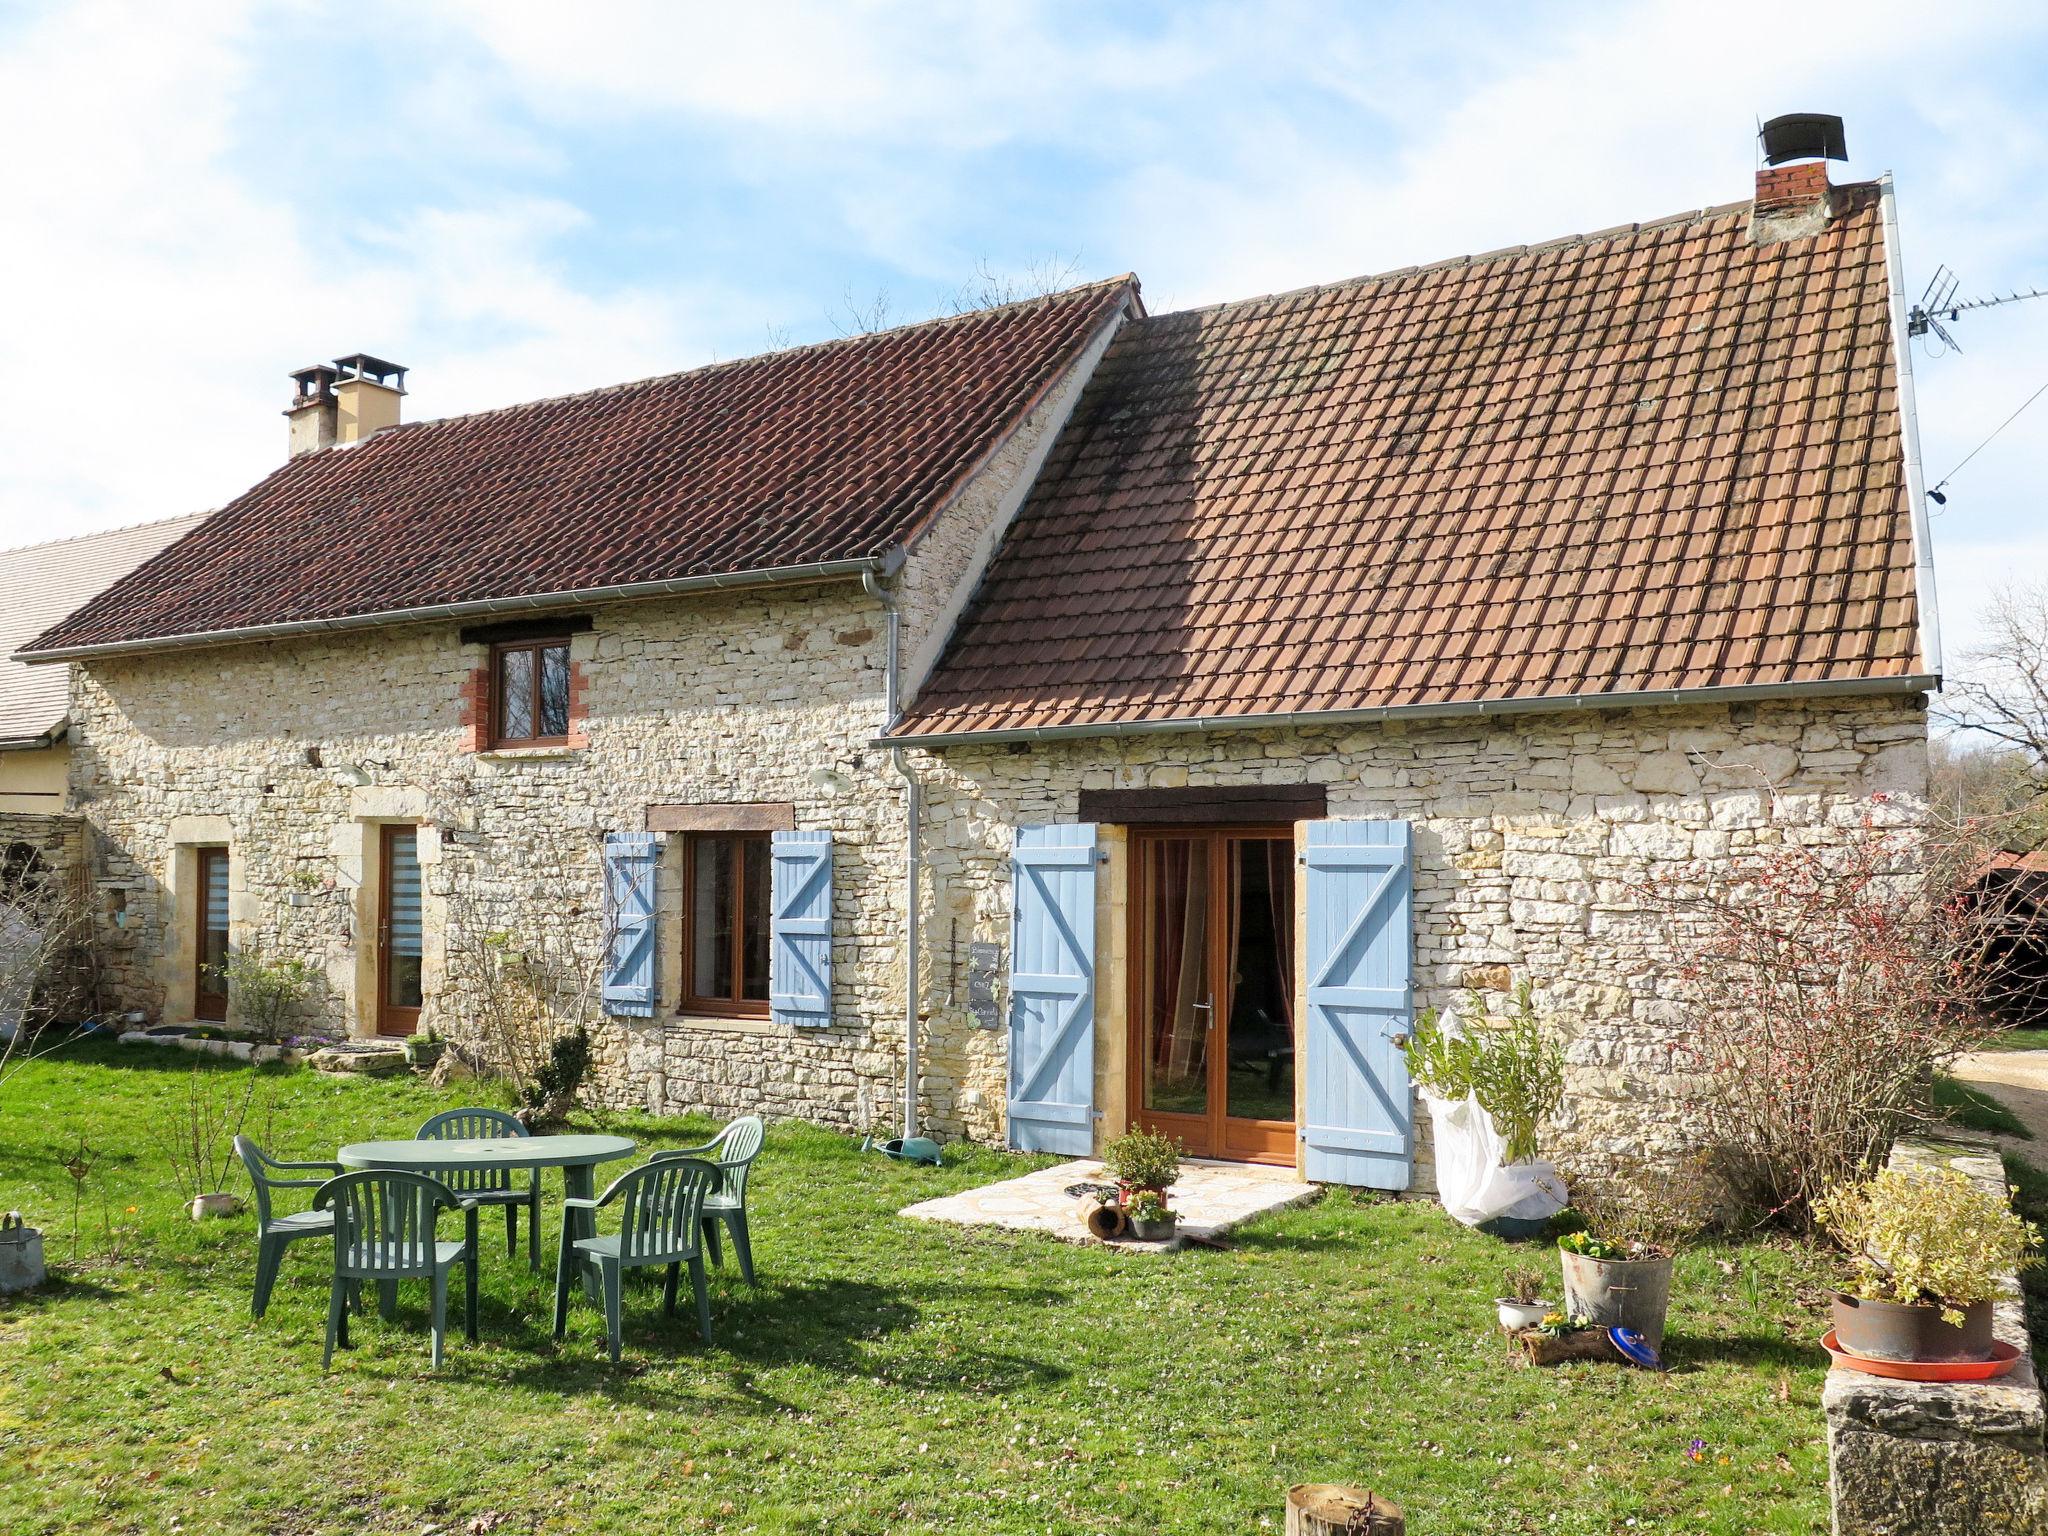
{"type": "Point", "coordinates": [172, 276]}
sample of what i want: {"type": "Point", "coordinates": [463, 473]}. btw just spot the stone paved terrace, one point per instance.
{"type": "Point", "coordinates": [1211, 1197]}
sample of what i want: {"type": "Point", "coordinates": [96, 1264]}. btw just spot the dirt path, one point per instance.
{"type": "Point", "coordinates": [2019, 1081]}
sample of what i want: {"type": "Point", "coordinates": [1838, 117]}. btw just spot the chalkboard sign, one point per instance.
{"type": "Point", "coordinates": [984, 971]}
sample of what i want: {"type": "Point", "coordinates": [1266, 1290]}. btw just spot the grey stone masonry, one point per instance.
{"type": "Point", "coordinates": [1924, 1459]}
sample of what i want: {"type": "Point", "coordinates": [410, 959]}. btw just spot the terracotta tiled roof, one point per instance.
{"type": "Point", "coordinates": [1658, 458]}
{"type": "Point", "coordinates": [817, 454]}
{"type": "Point", "coordinates": [41, 583]}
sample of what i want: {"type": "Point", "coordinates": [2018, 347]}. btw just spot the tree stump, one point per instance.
{"type": "Point", "coordinates": [1330, 1509]}
{"type": "Point", "coordinates": [1578, 1344]}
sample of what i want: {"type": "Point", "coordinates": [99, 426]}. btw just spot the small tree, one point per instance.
{"type": "Point", "coordinates": [1823, 986]}
{"type": "Point", "coordinates": [45, 926]}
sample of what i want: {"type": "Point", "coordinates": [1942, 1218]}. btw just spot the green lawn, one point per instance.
{"type": "Point", "coordinates": [1973, 1109]}
{"type": "Point", "coordinates": [2016, 1040]}
{"type": "Point", "coordinates": [885, 1377]}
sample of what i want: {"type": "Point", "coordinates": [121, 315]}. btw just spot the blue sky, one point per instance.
{"type": "Point", "coordinates": [521, 199]}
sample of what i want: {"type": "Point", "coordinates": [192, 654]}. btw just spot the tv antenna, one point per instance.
{"type": "Point", "coordinates": [1939, 303]}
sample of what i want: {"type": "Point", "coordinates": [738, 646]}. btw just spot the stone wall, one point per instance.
{"type": "Point", "coordinates": [55, 843]}
{"type": "Point", "coordinates": [1531, 832]}
{"type": "Point", "coordinates": [294, 753]}
{"type": "Point", "coordinates": [1926, 1459]}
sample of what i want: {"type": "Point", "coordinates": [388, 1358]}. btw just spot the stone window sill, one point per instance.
{"type": "Point", "coordinates": [730, 1023]}
{"type": "Point", "coordinates": [528, 754]}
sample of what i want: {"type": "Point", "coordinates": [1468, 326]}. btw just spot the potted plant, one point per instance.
{"type": "Point", "coordinates": [306, 886]}
{"type": "Point", "coordinates": [1489, 1090]}
{"type": "Point", "coordinates": [1929, 1251]}
{"type": "Point", "coordinates": [1151, 1219]}
{"type": "Point", "coordinates": [1142, 1160]}
{"type": "Point", "coordinates": [1521, 1306]}
{"type": "Point", "coordinates": [423, 1049]}
{"type": "Point", "coordinates": [1617, 1269]}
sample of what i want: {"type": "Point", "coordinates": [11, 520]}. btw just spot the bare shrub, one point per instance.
{"type": "Point", "coordinates": [45, 929]}
{"type": "Point", "coordinates": [531, 990]}
{"type": "Point", "coordinates": [1823, 986]}
{"type": "Point", "coordinates": [197, 1136]}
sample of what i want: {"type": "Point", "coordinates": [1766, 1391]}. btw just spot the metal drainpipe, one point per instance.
{"type": "Point", "coordinates": [913, 802]}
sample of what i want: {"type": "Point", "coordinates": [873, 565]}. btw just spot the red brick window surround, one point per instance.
{"type": "Point", "coordinates": [531, 692]}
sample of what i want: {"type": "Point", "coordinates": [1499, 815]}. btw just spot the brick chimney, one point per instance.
{"type": "Point", "coordinates": [1793, 198]}
{"type": "Point", "coordinates": [342, 402]}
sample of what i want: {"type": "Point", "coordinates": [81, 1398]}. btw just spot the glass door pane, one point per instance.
{"type": "Point", "coordinates": [210, 992]}
{"type": "Point", "coordinates": [402, 914]}
{"type": "Point", "coordinates": [1178, 1007]}
{"type": "Point", "coordinates": [1260, 1046]}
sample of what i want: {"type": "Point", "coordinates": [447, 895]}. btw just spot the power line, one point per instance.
{"type": "Point", "coordinates": [1935, 494]}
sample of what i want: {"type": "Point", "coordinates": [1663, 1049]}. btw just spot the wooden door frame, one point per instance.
{"type": "Point", "coordinates": [390, 1020]}
{"type": "Point", "coordinates": [1222, 1136]}
{"type": "Point", "coordinates": [207, 1004]}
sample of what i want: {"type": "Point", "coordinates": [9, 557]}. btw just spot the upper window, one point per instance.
{"type": "Point", "coordinates": [725, 922]}
{"type": "Point", "coordinates": [530, 683]}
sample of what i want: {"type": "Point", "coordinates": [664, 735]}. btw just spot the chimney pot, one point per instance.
{"type": "Point", "coordinates": [366, 394]}
{"type": "Point", "coordinates": [312, 416]}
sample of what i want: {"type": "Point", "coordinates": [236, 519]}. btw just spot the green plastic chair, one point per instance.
{"type": "Point", "coordinates": [732, 1151]}
{"type": "Point", "coordinates": [661, 1223]}
{"type": "Point", "coordinates": [386, 1229]}
{"type": "Point", "coordinates": [491, 1186]}
{"type": "Point", "coordinates": [275, 1232]}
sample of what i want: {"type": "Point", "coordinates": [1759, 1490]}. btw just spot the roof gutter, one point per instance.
{"type": "Point", "coordinates": [581, 597]}
{"type": "Point", "coordinates": [1909, 435]}
{"type": "Point", "coordinates": [1740, 693]}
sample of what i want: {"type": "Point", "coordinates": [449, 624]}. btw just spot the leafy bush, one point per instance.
{"type": "Point", "coordinates": [266, 992]}
{"type": "Point", "coordinates": [1516, 1074]}
{"type": "Point", "coordinates": [554, 1085]}
{"type": "Point", "coordinates": [1143, 1159]}
{"type": "Point", "coordinates": [1927, 1236]}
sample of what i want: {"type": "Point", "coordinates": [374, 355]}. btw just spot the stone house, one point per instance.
{"type": "Point", "coordinates": [1225, 685]}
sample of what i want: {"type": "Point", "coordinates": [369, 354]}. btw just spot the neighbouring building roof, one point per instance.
{"type": "Point", "coordinates": [817, 455]}
{"type": "Point", "coordinates": [1659, 458]}
{"type": "Point", "coordinates": [39, 585]}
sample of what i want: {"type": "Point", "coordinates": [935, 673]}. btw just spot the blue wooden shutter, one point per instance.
{"type": "Point", "coordinates": [629, 859]}
{"type": "Point", "coordinates": [1052, 990]}
{"type": "Point", "coordinates": [800, 928]}
{"type": "Point", "coordinates": [1359, 1122]}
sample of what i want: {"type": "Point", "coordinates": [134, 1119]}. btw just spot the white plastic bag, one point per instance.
{"type": "Point", "coordinates": [1473, 1181]}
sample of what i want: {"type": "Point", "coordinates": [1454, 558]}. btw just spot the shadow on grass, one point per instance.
{"type": "Point", "coordinates": [840, 1326]}
{"type": "Point", "coordinates": [1683, 1351]}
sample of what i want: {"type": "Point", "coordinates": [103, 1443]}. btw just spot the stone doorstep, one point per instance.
{"type": "Point", "coordinates": [1212, 1198]}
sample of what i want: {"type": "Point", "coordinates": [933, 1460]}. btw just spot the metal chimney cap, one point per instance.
{"type": "Point", "coordinates": [1803, 136]}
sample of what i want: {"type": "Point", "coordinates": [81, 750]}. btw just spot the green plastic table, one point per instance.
{"type": "Point", "coordinates": [576, 1156]}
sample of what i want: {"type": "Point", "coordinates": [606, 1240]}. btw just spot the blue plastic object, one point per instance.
{"type": "Point", "coordinates": [913, 1149]}
{"type": "Point", "coordinates": [1635, 1348]}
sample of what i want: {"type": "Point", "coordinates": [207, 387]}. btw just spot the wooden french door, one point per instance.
{"type": "Point", "coordinates": [399, 932]}
{"type": "Point", "coordinates": [209, 985]}
{"type": "Point", "coordinates": [1213, 1021]}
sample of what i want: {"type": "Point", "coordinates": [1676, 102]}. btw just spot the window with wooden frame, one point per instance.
{"type": "Point", "coordinates": [530, 692]}
{"type": "Point", "coordinates": [726, 923]}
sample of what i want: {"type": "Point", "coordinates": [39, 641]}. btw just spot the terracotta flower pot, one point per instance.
{"type": "Point", "coordinates": [1887, 1330]}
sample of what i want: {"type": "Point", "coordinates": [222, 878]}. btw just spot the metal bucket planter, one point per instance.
{"type": "Point", "coordinates": [1886, 1330]}
{"type": "Point", "coordinates": [21, 1254]}
{"type": "Point", "coordinates": [1618, 1293]}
